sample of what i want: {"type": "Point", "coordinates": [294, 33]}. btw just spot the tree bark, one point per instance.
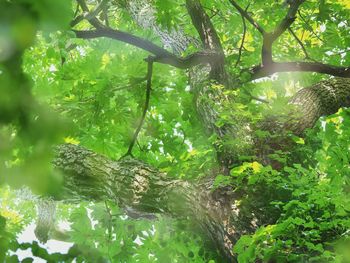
{"type": "Point", "coordinates": [143, 191]}
{"type": "Point", "coordinates": [323, 98]}
{"type": "Point", "coordinates": [304, 109]}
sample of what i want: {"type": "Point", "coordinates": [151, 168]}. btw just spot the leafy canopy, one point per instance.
{"type": "Point", "coordinates": [55, 88]}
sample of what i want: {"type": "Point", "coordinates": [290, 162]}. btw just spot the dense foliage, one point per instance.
{"type": "Point", "coordinates": [57, 87]}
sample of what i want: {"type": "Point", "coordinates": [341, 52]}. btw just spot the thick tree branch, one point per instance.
{"type": "Point", "coordinates": [130, 85]}
{"type": "Point", "coordinates": [321, 99]}
{"type": "Point", "coordinates": [287, 20]}
{"type": "Point", "coordinates": [142, 189]}
{"type": "Point", "coordinates": [264, 71]}
{"type": "Point", "coordinates": [305, 108]}
{"type": "Point", "coordinates": [203, 25]}
{"type": "Point", "coordinates": [132, 183]}
{"type": "Point", "coordinates": [127, 38]}
{"type": "Point", "coordinates": [145, 108]}
{"type": "Point", "coordinates": [161, 55]}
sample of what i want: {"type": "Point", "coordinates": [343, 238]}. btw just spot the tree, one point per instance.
{"type": "Point", "coordinates": [247, 201]}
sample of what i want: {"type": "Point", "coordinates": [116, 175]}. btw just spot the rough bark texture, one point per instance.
{"type": "Point", "coordinates": [210, 100]}
{"type": "Point", "coordinates": [323, 98]}
{"type": "Point", "coordinates": [143, 191]}
{"type": "Point", "coordinates": [304, 109]}
{"type": "Point", "coordinates": [309, 104]}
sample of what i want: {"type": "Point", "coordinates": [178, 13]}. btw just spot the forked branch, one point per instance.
{"type": "Point", "coordinates": [246, 15]}
{"type": "Point", "coordinates": [208, 34]}
{"type": "Point", "coordinates": [90, 16]}
{"type": "Point", "coordinates": [268, 66]}
{"type": "Point", "coordinates": [270, 37]}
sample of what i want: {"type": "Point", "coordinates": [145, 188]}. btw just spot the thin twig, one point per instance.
{"type": "Point", "coordinates": [142, 149]}
{"type": "Point", "coordinates": [90, 16]}
{"type": "Point", "coordinates": [109, 228]}
{"type": "Point", "coordinates": [243, 37]}
{"type": "Point", "coordinates": [105, 15]}
{"type": "Point", "coordinates": [213, 11]}
{"type": "Point", "coordinates": [214, 14]}
{"type": "Point", "coordinates": [259, 99]}
{"type": "Point", "coordinates": [252, 97]}
{"type": "Point", "coordinates": [300, 43]}
{"type": "Point", "coordinates": [139, 80]}
{"type": "Point", "coordinates": [247, 16]}
{"type": "Point", "coordinates": [341, 52]}
{"type": "Point", "coordinates": [145, 108]}
{"type": "Point", "coordinates": [309, 27]}
{"type": "Point", "coordinates": [68, 49]}
{"type": "Point", "coordinates": [76, 11]}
